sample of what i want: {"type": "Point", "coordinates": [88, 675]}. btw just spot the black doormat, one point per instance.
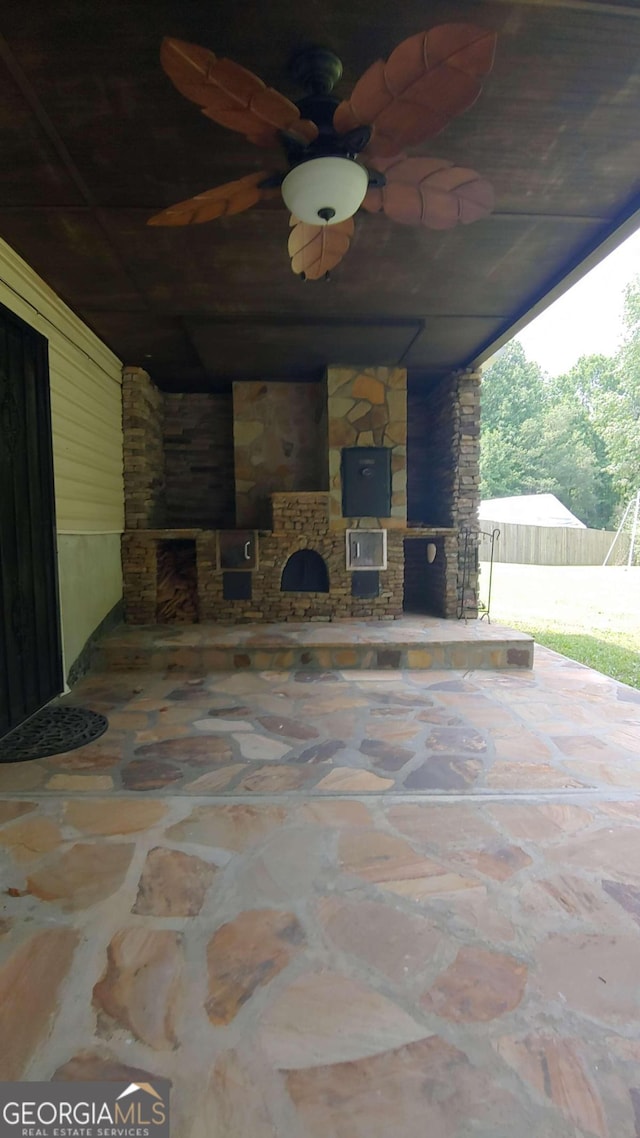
{"type": "Point", "coordinates": [50, 732]}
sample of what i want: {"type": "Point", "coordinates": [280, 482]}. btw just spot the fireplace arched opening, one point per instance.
{"type": "Point", "coordinates": [305, 572]}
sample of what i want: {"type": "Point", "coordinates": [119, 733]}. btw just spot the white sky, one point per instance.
{"type": "Point", "coordinates": [588, 318]}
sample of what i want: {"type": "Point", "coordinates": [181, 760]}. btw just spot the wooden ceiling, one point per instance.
{"type": "Point", "coordinates": [94, 139]}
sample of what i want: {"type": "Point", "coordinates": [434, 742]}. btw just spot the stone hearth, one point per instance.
{"type": "Point", "coordinates": [318, 647]}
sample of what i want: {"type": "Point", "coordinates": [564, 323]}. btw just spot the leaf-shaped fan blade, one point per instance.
{"type": "Point", "coordinates": [315, 249]}
{"type": "Point", "coordinates": [427, 80]}
{"type": "Point", "coordinates": [431, 192]}
{"type": "Point", "coordinates": [232, 197]}
{"type": "Point", "coordinates": [233, 96]}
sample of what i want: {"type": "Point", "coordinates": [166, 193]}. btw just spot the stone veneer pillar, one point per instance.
{"type": "Point", "coordinates": [142, 424]}
{"type": "Point", "coordinates": [280, 444]}
{"type": "Point", "coordinates": [466, 483]}
{"type": "Point", "coordinates": [368, 407]}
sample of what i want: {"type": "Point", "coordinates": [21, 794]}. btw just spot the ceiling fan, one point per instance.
{"type": "Point", "coordinates": [343, 155]}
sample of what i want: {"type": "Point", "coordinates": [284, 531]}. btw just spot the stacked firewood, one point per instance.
{"type": "Point", "coordinates": [177, 584]}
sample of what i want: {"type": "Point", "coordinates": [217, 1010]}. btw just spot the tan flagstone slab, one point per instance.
{"type": "Point", "coordinates": [29, 995]}
{"type": "Point", "coordinates": [478, 986]}
{"type": "Point", "coordinates": [93, 1066]}
{"type": "Point", "coordinates": [259, 748]}
{"type": "Point", "coordinates": [81, 875]}
{"type": "Point", "coordinates": [434, 824]}
{"type": "Point", "coordinates": [9, 811]}
{"type": "Point", "coordinates": [474, 908]}
{"type": "Point", "coordinates": [612, 852]}
{"type": "Point", "coordinates": [238, 1101]}
{"type": "Point", "coordinates": [141, 988]}
{"type": "Point", "coordinates": [557, 1071]}
{"type": "Point", "coordinates": [82, 782]}
{"type": "Point", "coordinates": [426, 1089]}
{"type": "Point", "coordinates": [214, 724]}
{"type": "Point", "coordinates": [611, 772]}
{"type": "Point", "coordinates": [30, 838]}
{"type": "Point", "coordinates": [397, 944]}
{"type": "Point", "coordinates": [324, 1017]}
{"type": "Point", "coordinates": [324, 812]}
{"type": "Point", "coordinates": [106, 816]}
{"type": "Point", "coordinates": [245, 954]}
{"type": "Point", "coordinates": [379, 857]}
{"type": "Point", "coordinates": [424, 888]}
{"type": "Point", "coordinates": [498, 862]}
{"type": "Point", "coordinates": [274, 779]}
{"type": "Point", "coordinates": [21, 776]}
{"type": "Point", "coordinates": [628, 811]}
{"type": "Point", "coordinates": [540, 822]}
{"type": "Point", "coordinates": [351, 780]}
{"type": "Point", "coordinates": [216, 780]}
{"type": "Point", "coordinates": [531, 776]}
{"type": "Point", "coordinates": [172, 884]}
{"type": "Point", "coordinates": [232, 827]}
{"type": "Point", "coordinates": [593, 974]}
{"type": "Point", "coordinates": [566, 894]}
{"type": "Point", "coordinates": [290, 728]}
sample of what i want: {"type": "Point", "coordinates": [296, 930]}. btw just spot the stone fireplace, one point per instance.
{"type": "Point", "coordinates": [235, 502]}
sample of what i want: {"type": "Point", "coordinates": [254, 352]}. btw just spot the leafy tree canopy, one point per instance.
{"type": "Point", "coordinates": [575, 435]}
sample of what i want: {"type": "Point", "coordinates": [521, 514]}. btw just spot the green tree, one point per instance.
{"type": "Point", "coordinates": [589, 379]}
{"type": "Point", "coordinates": [616, 411]}
{"type": "Point", "coordinates": [512, 399]}
{"type": "Point", "coordinates": [544, 435]}
{"type": "Point", "coordinates": [564, 461]}
{"type": "Point", "coordinates": [513, 390]}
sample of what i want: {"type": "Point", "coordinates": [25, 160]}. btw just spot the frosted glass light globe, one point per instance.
{"type": "Point", "coordinates": [324, 191]}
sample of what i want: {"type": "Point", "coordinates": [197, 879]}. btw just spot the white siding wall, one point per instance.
{"type": "Point", "coordinates": [86, 411]}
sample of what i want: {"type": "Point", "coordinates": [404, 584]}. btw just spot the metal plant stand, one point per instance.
{"type": "Point", "coordinates": [470, 553]}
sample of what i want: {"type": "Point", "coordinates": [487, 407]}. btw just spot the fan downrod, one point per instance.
{"type": "Point", "coordinates": [315, 69]}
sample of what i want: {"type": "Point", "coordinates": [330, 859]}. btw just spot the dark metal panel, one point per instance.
{"type": "Point", "coordinates": [30, 649]}
{"type": "Point", "coordinates": [365, 584]}
{"type": "Point", "coordinates": [366, 482]}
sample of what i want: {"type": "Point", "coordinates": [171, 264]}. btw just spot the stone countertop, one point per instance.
{"type": "Point", "coordinates": [427, 531]}
{"type": "Point", "coordinates": [193, 532]}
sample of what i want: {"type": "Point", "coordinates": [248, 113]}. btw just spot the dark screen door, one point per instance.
{"type": "Point", "coordinates": [30, 652]}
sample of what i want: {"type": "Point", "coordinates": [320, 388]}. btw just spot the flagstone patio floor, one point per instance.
{"type": "Point", "coordinates": [336, 904]}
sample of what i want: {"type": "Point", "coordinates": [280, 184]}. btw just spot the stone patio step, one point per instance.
{"type": "Point", "coordinates": [411, 642]}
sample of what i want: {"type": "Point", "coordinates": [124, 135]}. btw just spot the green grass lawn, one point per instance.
{"type": "Point", "coordinates": [589, 613]}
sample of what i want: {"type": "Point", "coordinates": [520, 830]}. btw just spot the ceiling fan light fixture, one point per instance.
{"type": "Point", "coordinates": [325, 191]}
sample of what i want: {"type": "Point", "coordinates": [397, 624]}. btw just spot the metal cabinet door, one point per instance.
{"type": "Point", "coordinates": [238, 549]}
{"type": "Point", "coordinates": [367, 549]}
{"type": "Point", "coordinates": [366, 482]}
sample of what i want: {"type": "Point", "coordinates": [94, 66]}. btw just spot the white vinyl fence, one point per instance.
{"type": "Point", "coordinates": [551, 545]}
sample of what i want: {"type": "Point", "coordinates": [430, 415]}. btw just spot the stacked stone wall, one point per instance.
{"type": "Point", "coordinates": [198, 460]}
{"type": "Point", "coordinates": [143, 458]}
{"type": "Point", "coordinates": [280, 444]}
{"type": "Point", "coordinates": [466, 487]}
{"type": "Point", "coordinates": [301, 521]}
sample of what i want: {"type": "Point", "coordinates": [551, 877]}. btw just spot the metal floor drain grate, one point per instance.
{"type": "Point", "coordinates": [50, 732]}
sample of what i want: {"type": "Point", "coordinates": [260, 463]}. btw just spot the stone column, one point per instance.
{"type": "Point", "coordinates": [466, 486]}
{"type": "Point", "coordinates": [368, 407]}
{"type": "Point", "coordinates": [142, 424]}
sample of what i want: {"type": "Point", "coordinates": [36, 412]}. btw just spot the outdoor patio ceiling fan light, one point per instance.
{"type": "Point", "coordinates": [324, 191]}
